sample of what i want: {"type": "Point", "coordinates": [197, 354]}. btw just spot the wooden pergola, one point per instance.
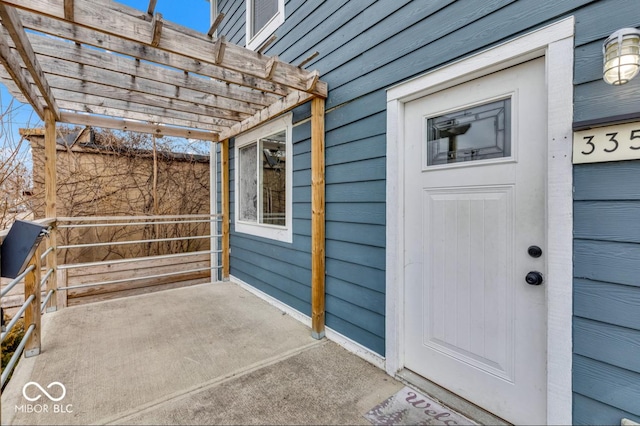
{"type": "Point", "coordinates": [101, 63]}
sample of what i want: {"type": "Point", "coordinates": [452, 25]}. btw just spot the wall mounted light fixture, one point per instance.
{"type": "Point", "coordinates": [621, 51]}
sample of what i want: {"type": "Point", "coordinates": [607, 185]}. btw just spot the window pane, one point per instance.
{"type": "Point", "coordinates": [477, 133]}
{"type": "Point", "coordinates": [274, 179]}
{"type": "Point", "coordinates": [248, 197]}
{"type": "Point", "coordinates": [263, 11]}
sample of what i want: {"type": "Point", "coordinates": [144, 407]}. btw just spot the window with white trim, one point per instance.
{"type": "Point", "coordinates": [263, 181]}
{"type": "Point", "coordinates": [263, 18]}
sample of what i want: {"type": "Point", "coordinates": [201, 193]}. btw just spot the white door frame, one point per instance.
{"type": "Point", "coordinates": [555, 43]}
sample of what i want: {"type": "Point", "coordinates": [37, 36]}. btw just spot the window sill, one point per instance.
{"type": "Point", "coordinates": [272, 232]}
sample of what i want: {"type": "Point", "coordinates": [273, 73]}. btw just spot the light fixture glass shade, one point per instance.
{"type": "Point", "coordinates": [621, 53]}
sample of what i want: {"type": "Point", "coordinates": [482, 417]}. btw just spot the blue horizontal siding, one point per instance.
{"type": "Point", "coordinates": [306, 18]}
{"type": "Point", "coordinates": [357, 233]}
{"type": "Point", "coordinates": [362, 127]}
{"type": "Point", "coordinates": [607, 261]}
{"type": "Point", "coordinates": [597, 99]}
{"type": "Point", "coordinates": [372, 257]}
{"type": "Point", "coordinates": [400, 39]}
{"type": "Point", "coordinates": [356, 295]}
{"type": "Point", "coordinates": [606, 181]}
{"type": "Point", "coordinates": [357, 171]}
{"type": "Point", "coordinates": [608, 221]}
{"type": "Point", "coordinates": [295, 254]}
{"type": "Point", "coordinates": [367, 339]}
{"type": "Point", "coordinates": [372, 191]}
{"type": "Point", "coordinates": [271, 290]}
{"type": "Point", "coordinates": [615, 345]}
{"type": "Point", "coordinates": [279, 266]}
{"type": "Point", "coordinates": [358, 150]}
{"type": "Point", "coordinates": [606, 302]}
{"type": "Point", "coordinates": [344, 154]}
{"type": "Point", "coordinates": [587, 411]}
{"type": "Point", "coordinates": [233, 24]}
{"type": "Point", "coordinates": [606, 299]}
{"type": "Point", "coordinates": [588, 63]}
{"type": "Point", "coordinates": [601, 18]}
{"type": "Point", "coordinates": [275, 279]}
{"type": "Point", "coordinates": [363, 318]}
{"type": "Point", "coordinates": [367, 213]}
{"type": "Point", "coordinates": [453, 32]}
{"type": "Point", "coordinates": [366, 277]}
{"type": "Point", "coordinates": [614, 386]}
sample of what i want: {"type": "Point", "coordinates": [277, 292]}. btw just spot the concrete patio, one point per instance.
{"type": "Point", "coordinates": [207, 354]}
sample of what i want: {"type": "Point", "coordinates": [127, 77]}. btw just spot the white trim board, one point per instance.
{"type": "Point", "coordinates": [555, 43]}
{"type": "Point", "coordinates": [342, 340]}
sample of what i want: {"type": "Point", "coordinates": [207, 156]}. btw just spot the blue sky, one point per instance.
{"type": "Point", "coordinates": [190, 13]}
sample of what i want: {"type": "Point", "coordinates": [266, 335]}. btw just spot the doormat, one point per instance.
{"type": "Point", "coordinates": [408, 407]}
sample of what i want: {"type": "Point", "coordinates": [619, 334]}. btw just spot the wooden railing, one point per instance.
{"type": "Point", "coordinates": [158, 262]}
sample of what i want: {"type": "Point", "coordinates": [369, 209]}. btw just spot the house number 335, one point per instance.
{"type": "Point", "coordinates": [613, 143]}
{"type": "Point", "coordinates": [635, 134]}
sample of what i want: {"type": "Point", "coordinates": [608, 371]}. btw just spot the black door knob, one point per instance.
{"type": "Point", "coordinates": [534, 251]}
{"type": "Point", "coordinates": [534, 278]}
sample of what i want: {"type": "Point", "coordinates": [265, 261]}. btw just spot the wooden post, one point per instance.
{"type": "Point", "coordinates": [32, 314]}
{"type": "Point", "coordinates": [224, 146]}
{"type": "Point", "coordinates": [50, 184]}
{"type": "Point", "coordinates": [317, 218]}
{"type": "Point", "coordinates": [49, 163]}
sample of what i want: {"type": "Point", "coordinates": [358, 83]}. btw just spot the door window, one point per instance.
{"type": "Point", "coordinates": [476, 133]}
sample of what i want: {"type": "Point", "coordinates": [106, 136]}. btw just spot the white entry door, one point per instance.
{"type": "Point", "coordinates": [475, 167]}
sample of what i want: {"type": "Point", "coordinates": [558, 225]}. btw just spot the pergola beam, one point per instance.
{"type": "Point", "coordinates": [11, 22]}
{"type": "Point", "coordinates": [286, 104]}
{"type": "Point", "coordinates": [11, 62]}
{"type": "Point", "coordinates": [133, 126]}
